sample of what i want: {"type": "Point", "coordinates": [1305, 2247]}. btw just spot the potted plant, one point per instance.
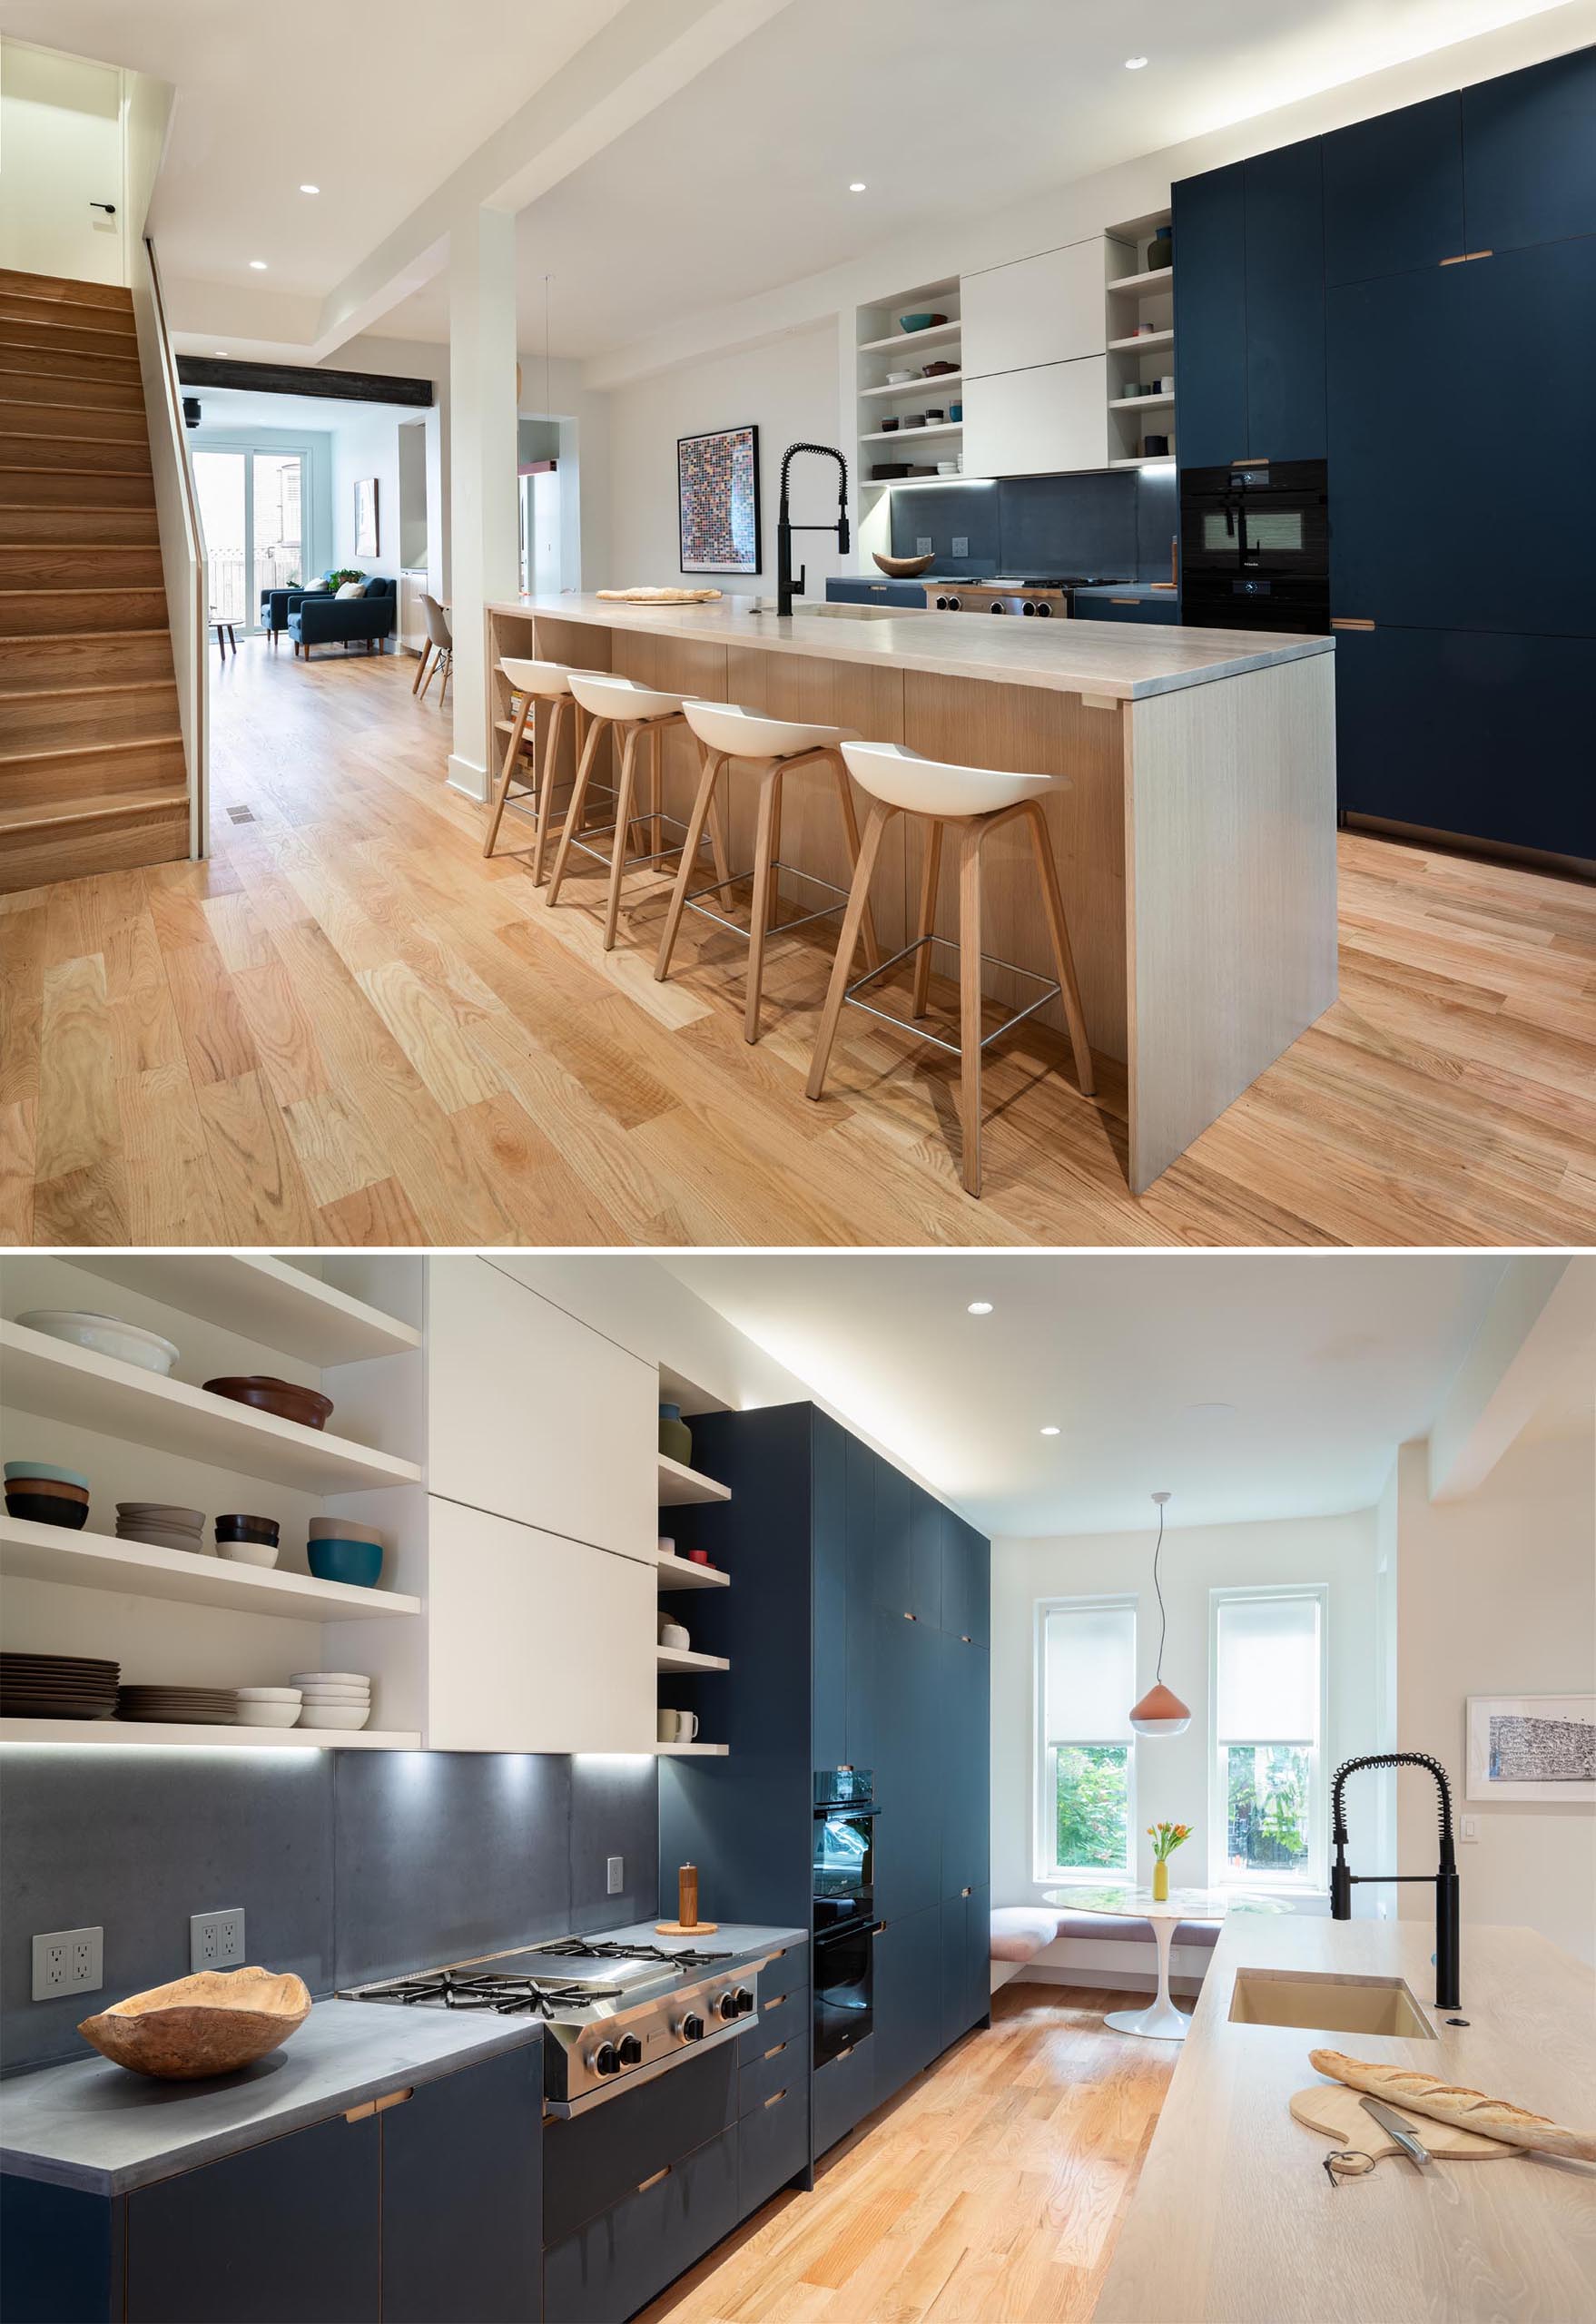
{"type": "Point", "coordinates": [1165, 1838]}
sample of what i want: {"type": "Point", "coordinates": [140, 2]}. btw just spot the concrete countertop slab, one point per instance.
{"type": "Point", "coordinates": [743, 1939]}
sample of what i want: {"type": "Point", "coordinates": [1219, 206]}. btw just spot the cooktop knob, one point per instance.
{"type": "Point", "coordinates": [631, 2050]}
{"type": "Point", "coordinates": [728, 2006]}
{"type": "Point", "coordinates": [745, 2001]}
{"type": "Point", "coordinates": [605, 2060]}
{"type": "Point", "coordinates": [692, 2027]}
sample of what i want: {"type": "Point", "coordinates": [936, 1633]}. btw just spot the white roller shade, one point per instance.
{"type": "Point", "coordinates": [1090, 1673]}
{"type": "Point", "coordinates": [1268, 1689]}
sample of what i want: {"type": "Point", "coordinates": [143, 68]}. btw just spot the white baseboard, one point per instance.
{"type": "Point", "coordinates": [464, 775]}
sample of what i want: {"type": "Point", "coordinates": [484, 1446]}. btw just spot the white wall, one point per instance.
{"type": "Point", "coordinates": [366, 444]}
{"type": "Point", "coordinates": [1172, 1771]}
{"type": "Point", "coordinates": [1497, 1596]}
{"type": "Point", "coordinates": [787, 388]}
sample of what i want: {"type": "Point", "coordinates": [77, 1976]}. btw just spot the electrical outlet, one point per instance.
{"type": "Point", "coordinates": [961, 544]}
{"type": "Point", "coordinates": [617, 1875]}
{"type": "Point", "coordinates": [68, 1961]}
{"type": "Point", "coordinates": [922, 546]}
{"type": "Point", "coordinates": [216, 1940]}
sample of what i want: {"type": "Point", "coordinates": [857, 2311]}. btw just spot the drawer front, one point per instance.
{"type": "Point", "coordinates": [617, 2264]}
{"type": "Point", "coordinates": [594, 2160]}
{"type": "Point", "coordinates": [783, 2065]}
{"type": "Point", "coordinates": [1154, 609]}
{"type": "Point", "coordinates": [784, 2013]}
{"type": "Point", "coordinates": [773, 2146]}
{"type": "Point", "coordinates": [843, 2091]}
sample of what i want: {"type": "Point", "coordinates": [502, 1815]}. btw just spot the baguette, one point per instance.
{"type": "Point", "coordinates": [1465, 2109]}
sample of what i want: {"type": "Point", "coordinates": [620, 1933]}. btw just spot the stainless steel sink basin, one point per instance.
{"type": "Point", "coordinates": [1327, 2004]}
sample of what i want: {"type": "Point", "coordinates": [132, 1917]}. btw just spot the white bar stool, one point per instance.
{"type": "Point", "coordinates": [773, 747]}
{"type": "Point", "coordinates": [548, 684]}
{"type": "Point", "coordinates": [633, 712]}
{"type": "Point", "coordinates": [978, 800]}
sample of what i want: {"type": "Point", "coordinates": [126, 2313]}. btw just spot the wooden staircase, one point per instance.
{"type": "Point", "coordinates": [92, 771]}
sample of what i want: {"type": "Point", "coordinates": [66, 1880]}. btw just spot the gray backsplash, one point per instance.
{"type": "Point", "coordinates": [349, 1865]}
{"type": "Point", "coordinates": [1028, 527]}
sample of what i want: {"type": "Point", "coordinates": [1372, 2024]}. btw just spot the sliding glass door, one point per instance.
{"type": "Point", "coordinates": [251, 504]}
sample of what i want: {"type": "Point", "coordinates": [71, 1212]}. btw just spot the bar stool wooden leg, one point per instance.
{"type": "Point", "coordinates": [550, 777]}
{"type": "Point", "coordinates": [970, 1002]}
{"type": "Point", "coordinates": [702, 809]}
{"type": "Point", "coordinates": [870, 847]}
{"type": "Point", "coordinates": [656, 790]}
{"type": "Point", "coordinates": [542, 767]}
{"type": "Point", "coordinates": [510, 757]}
{"type": "Point", "coordinates": [1059, 928]}
{"type": "Point", "coordinates": [618, 860]}
{"type": "Point", "coordinates": [420, 666]}
{"type": "Point", "coordinates": [929, 872]}
{"type": "Point", "coordinates": [767, 823]}
{"type": "Point", "coordinates": [873, 951]}
{"type": "Point", "coordinates": [573, 811]}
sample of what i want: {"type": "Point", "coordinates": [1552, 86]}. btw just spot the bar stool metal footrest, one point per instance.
{"type": "Point", "coordinates": [1051, 991]}
{"type": "Point", "coordinates": [777, 927]}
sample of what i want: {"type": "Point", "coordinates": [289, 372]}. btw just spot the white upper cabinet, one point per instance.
{"type": "Point", "coordinates": [536, 1417]}
{"type": "Point", "coordinates": [1049, 309]}
{"type": "Point", "coordinates": [1039, 422]}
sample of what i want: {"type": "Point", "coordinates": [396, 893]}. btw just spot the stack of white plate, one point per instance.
{"type": "Point", "coordinates": [333, 1699]}
{"type": "Point", "coordinates": [268, 1705]}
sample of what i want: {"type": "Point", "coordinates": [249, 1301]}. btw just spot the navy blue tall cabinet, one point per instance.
{"type": "Point", "coordinates": [1414, 297]}
{"type": "Point", "coordinates": [858, 1631]}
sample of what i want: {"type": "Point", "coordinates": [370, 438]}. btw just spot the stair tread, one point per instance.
{"type": "Point", "coordinates": [80, 636]}
{"type": "Point", "coordinates": [96, 686]}
{"type": "Point", "coordinates": [83, 811]}
{"type": "Point", "coordinates": [91, 750]}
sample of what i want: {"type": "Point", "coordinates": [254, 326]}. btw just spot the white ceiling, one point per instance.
{"type": "Point", "coordinates": [1330, 1361]}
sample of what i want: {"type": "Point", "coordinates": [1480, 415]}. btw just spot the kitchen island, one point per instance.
{"type": "Point", "coordinates": [1233, 2220]}
{"type": "Point", "coordinates": [1194, 825]}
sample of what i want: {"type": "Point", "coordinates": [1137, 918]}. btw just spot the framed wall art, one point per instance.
{"type": "Point", "coordinates": [717, 500]}
{"type": "Point", "coordinates": [1531, 1746]}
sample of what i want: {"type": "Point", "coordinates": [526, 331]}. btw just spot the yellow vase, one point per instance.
{"type": "Point", "coordinates": [1160, 1882]}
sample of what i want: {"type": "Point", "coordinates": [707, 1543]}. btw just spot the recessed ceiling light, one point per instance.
{"type": "Point", "coordinates": [1049, 1431]}
{"type": "Point", "coordinates": [258, 265]}
{"type": "Point", "coordinates": [1135, 63]}
{"type": "Point", "coordinates": [857, 186]}
{"type": "Point", "coordinates": [310, 189]}
{"type": "Point", "coordinates": [1210, 1412]}
{"type": "Point", "coordinates": [979, 1307]}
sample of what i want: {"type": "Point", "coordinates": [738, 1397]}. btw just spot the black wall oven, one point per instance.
{"type": "Point", "coordinates": [1254, 547]}
{"type": "Point", "coordinates": [844, 1909]}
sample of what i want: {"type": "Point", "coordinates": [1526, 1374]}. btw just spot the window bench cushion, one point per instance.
{"type": "Point", "coordinates": [1020, 1932]}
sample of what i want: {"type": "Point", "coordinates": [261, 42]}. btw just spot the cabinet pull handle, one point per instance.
{"type": "Point", "coordinates": [1461, 259]}
{"type": "Point", "coordinates": [644, 2184]}
{"type": "Point", "coordinates": [775, 2001]}
{"type": "Point", "coordinates": [359, 2113]}
{"type": "Point", "coordinates": [1349, 621]}
{"type": "Point", "coordinates": [1113, 601]}
{"type": "Point", "coordinates": [964, 1637]}
{"type": "Point", "coordinates": [774, 2052]}
{"type": "Point", "coordinates": [879, 1929]}
{"type": "Point", "coordinates": [776, 2100]}
{"type": "Point", "coordinates": [1250, 460]}
{"type": "Point", "coordinates": [967, 1892]}
{"type": "Point", "coordinates": [394, 2098]}
{"type": "Point", "coordinates": [1473, 254]}
{"type": "Point", "coordinates": [911, 1618]}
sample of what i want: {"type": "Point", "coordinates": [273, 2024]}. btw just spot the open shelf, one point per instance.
{"type": "Point", "coordinates": [679, 1485]}
{"type": "Point", "coordinates": [691, 1750]}
{"type": "Point", "coordinates": [897, 339]}
{"type": "Point", "coordinates": [680, 1574]}
{"type": "Point", "coordinates": [686, 1658]}
{"type": "Point", "coordinates": [261, 1298]}
{"type": "Point", "coordinates": [30, 1553]}
{"type": "Point", "coordinates": [1141, 343]}
{"type": "Point", "coordinates": [1156, 278]}
{"type": "Point", "coordinates": [1139, 403]}
{"type": "Point", "coordinates": [55, 1380]}
{"type": "Point", "coordinates": [913, 435]}
{"type": "Point", "coordinates": [917, 387]}
{"type": "Point", "coordinates": [100, 1733]}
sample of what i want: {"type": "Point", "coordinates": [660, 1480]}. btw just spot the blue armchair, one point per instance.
{"type": "Point", "coordinates": [320, 620]}
{"type": "Point", "coordinates": [275, 608]}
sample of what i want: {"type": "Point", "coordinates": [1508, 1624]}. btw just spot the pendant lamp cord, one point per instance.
{"type": "Point", "coordinates": [1158, 1675]}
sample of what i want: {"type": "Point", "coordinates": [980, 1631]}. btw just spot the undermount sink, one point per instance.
{"type": "Point", "coordinates": [1327, 2004]}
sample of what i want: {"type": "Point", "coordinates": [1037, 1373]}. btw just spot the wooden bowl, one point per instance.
{"type": "Point", "coordinates": [904, 568]}
{"type": "Point", "coordinates": [264, 1393]}
{"type": "Point", "coordinates": [211, 2023]}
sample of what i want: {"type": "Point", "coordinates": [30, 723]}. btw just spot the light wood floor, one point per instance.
{"type": "Point", "coordinates": [346, 1027]}
{"type": "Point", "coordinates": [992, 2189]}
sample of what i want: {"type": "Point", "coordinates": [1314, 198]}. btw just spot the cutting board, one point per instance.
{"type": "Point", "coordinates": [1336, 2111]}
{"type": "Point", "coordinates": [659, 597]}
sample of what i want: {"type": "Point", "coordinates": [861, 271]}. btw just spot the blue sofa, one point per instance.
{"type": "Point", "coordinates": [319, 618]}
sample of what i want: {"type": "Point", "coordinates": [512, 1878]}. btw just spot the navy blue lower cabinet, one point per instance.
{"type": "Point", "coordinates": [1164, 610]}
{"type": "Point", "coordinates": [966, 1933]}
{"type": "Point", "coordinates": [596, 2159]}
{"type": "Point", "coordinates": [783, 2013]}
{"type": "Point", "coordinates": [462, 2197]}
{"type": "Point", "coordinates": [1529, 143]}
{"type": "Point", "coordinates": [843, 2094]}
{"type": "Point", "coordinates": [60, 2254]}
{"type": "Point", "coordinates": [773, 2143]}
{"type": "Point", "coordinates": [618, 2261]}
{"type": "Point", "coordinates": [1485, 737]}
{"type": "Point", "coordinates": [1210, 317]}
{"type": "Point", "coordinates": [291, 2229]}
{"type": "Point", "coordinates": [874, 592]}
{"type": "Point", "coordinates": [908, 2012]}
{"type": "Point", "coordinates": [978, 1954]}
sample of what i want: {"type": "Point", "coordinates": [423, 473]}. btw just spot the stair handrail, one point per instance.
{"type": "Point", "coordinates": [183, 539]}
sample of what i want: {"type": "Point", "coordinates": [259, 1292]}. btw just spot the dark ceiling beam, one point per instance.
{"type": "Point", "coordinates": [302, 380]}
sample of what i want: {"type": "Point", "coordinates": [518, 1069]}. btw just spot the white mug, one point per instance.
{"type": "Point", "coordinates": [667, 1726]}
{"type": "Point", "coordinates": [677, 1725]}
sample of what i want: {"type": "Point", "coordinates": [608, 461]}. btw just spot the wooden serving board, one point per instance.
{"type": "Point", "coordinates": [1336, 2111]}
{"type": "Point", "coordinates": [659, 597]}
{"type": "Point", "coordinates": [681, 1928]}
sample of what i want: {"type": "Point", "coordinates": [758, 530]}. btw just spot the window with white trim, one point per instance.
{"type": "Point", "coordinates": [1266, 1718]}
{"type": "Point", "coordinates": [1086, 1747]}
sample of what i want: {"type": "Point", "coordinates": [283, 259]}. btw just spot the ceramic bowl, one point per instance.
{"type": "Point", "coordinates": [336, 1718]}
{"type": "Point", "coordinates": [44, 1508]}
{"type": "Point", "coordinates": [46, 1468]}
{"type": "Point", "coordinates": [248, 1553]}
{"type": "Point", "coordinates": [313, 1692]}
{"type": "Point", "coordinates": [163, 1513]}
{"type": "Point", "coordinates": [154, 1538]}
{"type": "Point", "coordinates": [104, 1335]}
{"type": "Point", "coordinates": [344, 1529]}
{"type": "Point", "coordinates": [267, 1714]}
{"type": "Point", "coordinates": [359, 1562]}
{"type": "Point", "coordinates": [211, 2024]}
{"type": "Point", "coordinates": [268, 1694]}
{"type": "Point", "coordinates": [265, 1393]}
{"type": "Point", "coordinates": [904, 568]}
{"type": "Point", "coordinates": [920, 321]}
{"type": "Point", "coordinates": [248, 1528]}
{"type": "Point", "coordinates": [325, 1678]}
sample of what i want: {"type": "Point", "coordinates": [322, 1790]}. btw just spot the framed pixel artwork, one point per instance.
{"type": "Point", "coordinates": [717, 499]}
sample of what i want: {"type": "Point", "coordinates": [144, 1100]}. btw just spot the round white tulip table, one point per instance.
{"type": "Point", "coordinates": [1162, 2022]}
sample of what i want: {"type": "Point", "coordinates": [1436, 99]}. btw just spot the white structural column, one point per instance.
{"type": "Point", "coordinates": [483, 523]}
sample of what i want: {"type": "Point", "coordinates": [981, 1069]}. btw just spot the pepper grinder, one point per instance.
{"type": "Point", "coordinates": [686, 1922]}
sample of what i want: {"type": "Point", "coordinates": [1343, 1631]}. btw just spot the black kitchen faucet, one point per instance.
{"type": "Point", "coordinates": [785, 528]}
{"type": "Point", "coordinates": [1343, 1881]}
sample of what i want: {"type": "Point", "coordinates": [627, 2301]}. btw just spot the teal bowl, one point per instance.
{"type": "Point", "coordinates": [47, 1469]}
{"type": "Point", "coordinates": [359, 1562]}
{"type": "Point", "coordinates": [920, 322]}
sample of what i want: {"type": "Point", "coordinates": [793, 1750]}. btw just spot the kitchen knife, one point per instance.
{"type": "Point", "coordinates": [1416, 2153]}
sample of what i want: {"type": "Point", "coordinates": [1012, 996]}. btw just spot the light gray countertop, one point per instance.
{"type": "Point", "coordinates": [94, 2125]}
{"type": "Point", "coordinates": [744, 1939]}
{"type": "Point", "coordinates": [1110, 661]}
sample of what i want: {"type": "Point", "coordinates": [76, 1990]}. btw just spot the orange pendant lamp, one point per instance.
{"type": "Point", "coordinates": [1159, 1711]}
